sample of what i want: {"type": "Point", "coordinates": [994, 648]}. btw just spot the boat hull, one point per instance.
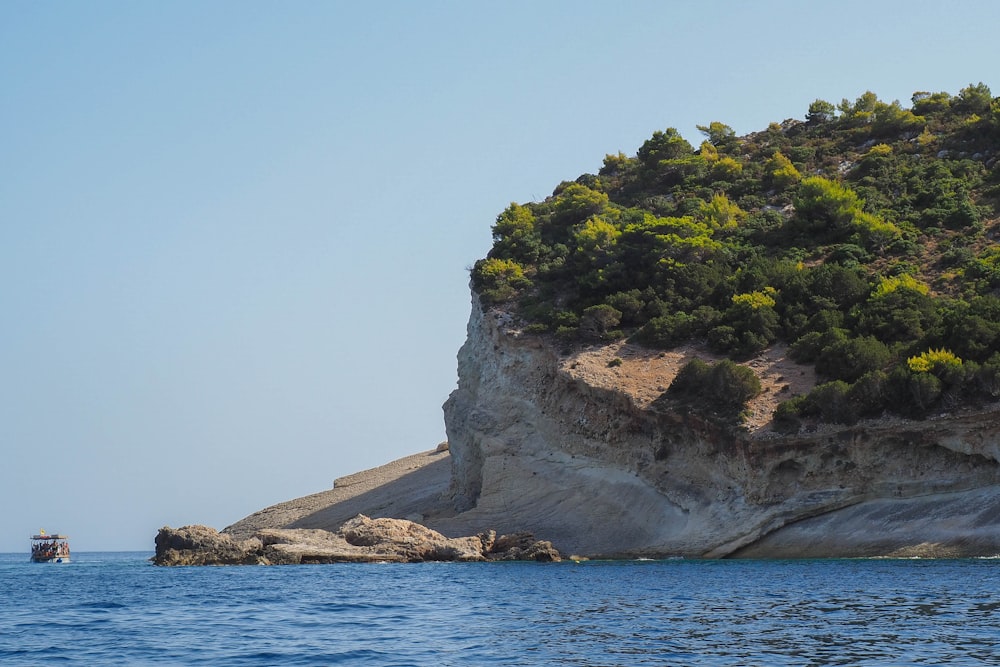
{"type": "Point", "coordinates": [57, 559]}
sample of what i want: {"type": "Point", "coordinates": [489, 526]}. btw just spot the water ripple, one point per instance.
{"type": "Point", "coordinates": [119, 610]}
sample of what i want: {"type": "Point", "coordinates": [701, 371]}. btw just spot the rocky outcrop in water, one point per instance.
{"type": "Point", "coordinates": [202, 545]}
{"type": "Point", "coordinates": [537, 446]}
{"type": "Point", "coordinates": [360, 540]}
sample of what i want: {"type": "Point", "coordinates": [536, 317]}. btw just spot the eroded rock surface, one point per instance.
{"type": "Point", "coordinates": [202, 545]}
{"type": "Point", "coordinates": [359, 540]}
{"type": "Point", "coordinates": [560, 446]}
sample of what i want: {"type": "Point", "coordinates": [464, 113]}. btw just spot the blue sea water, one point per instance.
{"type": "Point", "coordinates": [117, 609]}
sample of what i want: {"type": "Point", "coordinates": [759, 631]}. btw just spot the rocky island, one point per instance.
{"type": "Point", "coordinates": [773, 346]}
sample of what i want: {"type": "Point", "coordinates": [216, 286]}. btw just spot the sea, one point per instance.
{"type": "Point", "coordinates": [118, 609]}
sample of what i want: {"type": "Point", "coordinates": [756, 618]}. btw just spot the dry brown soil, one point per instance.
{"type": "Point", "coordinates": [645, 374]}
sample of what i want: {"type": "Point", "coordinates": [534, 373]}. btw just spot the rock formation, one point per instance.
{"type": "Point", "coordinates": [202, 545]}
{"type": "Point", "coordinates": [584, 452]}
{"type": "Point", "coordinates": [602, 470]}
{"type": "Point", "coordinates": [361, 539]}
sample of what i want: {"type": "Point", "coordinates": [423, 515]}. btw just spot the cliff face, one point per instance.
{"type": "Point", "coordinates": [580, 453]}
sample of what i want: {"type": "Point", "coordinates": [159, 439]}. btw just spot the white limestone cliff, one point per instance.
{"type": "Point", "coordinates": [597, 467]}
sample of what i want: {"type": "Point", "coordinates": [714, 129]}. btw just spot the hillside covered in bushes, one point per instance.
{"type": "Point", "coordinates": [864, 236]}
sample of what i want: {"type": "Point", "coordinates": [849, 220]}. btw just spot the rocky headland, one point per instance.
{"type": "Point", "coordinates": [839, 275]}
{"type": "Point", "coordinates": [581, 453]}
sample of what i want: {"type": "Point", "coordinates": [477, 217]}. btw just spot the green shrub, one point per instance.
{"type": "Point", "coordinates": [598, 322]}
{"type": "Point", "coordinates": [831, 402]}
{"type": "Point", "coordinates": [691, 379]}
{"type": "Point", "coordinates": [850, 358]}
{"type": "Point", "coordinates": [780, 172]}
{"type": "Point", "coordinates": [567, 333]}
{"type": "Point", "coordinates": [825, 208]}
{"type": "Point", "coordinates": [750, 324]}
{"type": "Point", "coordinates": [808, 347]}
{"type": "Point", "coordinates": [498, 280]}
{"type": "Point", "coordinates": [849, 254]}
{"type": "Point", "coordinates": [667, 331]}
{"type": "Point", "coordinates": [731, 385]}
{"type": "Point", "coordinates": [630, 304]}
{"type": "Point", "coordinates": [898, 313]}
{"type": "Point", "coordinates": [786, 417]}
{"type": "Point", "coordinates": [987, 378]}
{"type": "Point", "coordinates": [724, 339]}
{"type": "Point", "coordinates": [925, 389]}
{"type": "Point", "coordinates": [867, 395]}
{"type": "Point", "coordinates": [723, 387]}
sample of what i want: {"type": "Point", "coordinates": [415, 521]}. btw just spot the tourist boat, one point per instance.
{"type": "Point", "coordinates": [49, 548]}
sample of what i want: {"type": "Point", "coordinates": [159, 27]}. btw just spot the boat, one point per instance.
{"type": "Point", "coordinates": [46, 548]}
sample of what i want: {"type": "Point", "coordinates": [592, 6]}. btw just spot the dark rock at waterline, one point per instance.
{"type": "Point", "coordinates": [202, 545]}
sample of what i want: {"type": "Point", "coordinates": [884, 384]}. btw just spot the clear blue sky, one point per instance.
{"type": "Point", "coordinates": [234, 236]}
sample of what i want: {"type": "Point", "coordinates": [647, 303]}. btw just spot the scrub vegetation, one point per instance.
{"type": "Point", "coordinates": [864, 236]}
